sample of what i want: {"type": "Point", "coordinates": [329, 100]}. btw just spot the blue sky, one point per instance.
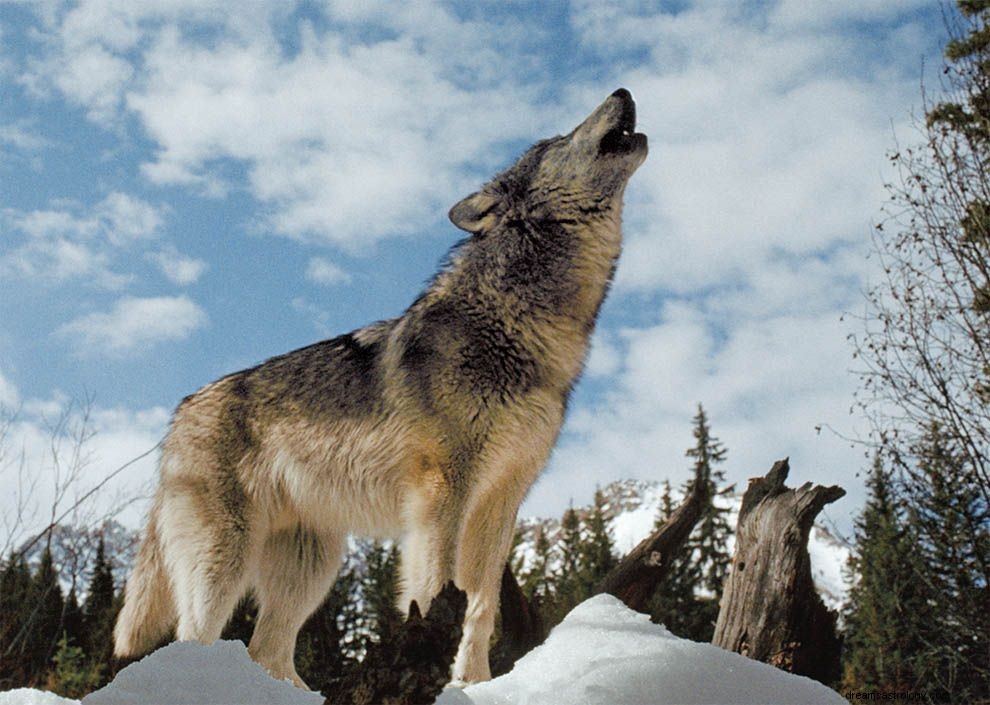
{"type": "Point", "coordinates": [186, 190]}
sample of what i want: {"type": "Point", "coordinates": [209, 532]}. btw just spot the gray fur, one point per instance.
{"type": "Point", "coordinates": [429, 427]}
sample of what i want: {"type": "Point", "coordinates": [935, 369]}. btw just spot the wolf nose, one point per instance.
{"type": "Point", "coordinates": [623, 93]}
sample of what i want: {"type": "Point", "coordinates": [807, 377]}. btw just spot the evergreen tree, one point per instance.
{"type": "Point", "coordinates": [321, 656]}
{"type": "Point", "coordinates": [72, 675]}
{"type": "Point", "coordinates": [952, 521]}
{"type": "Point", "coordinates": [45, 617]}
{"type": "Point", "coordinates": [15, 611]}
{"type": "Point", "coordinates": [926, 345]}
{"type": "Point", "coordinates": [568, 581]}
{"type": "Point", "coordinates": [379, 592]}
{"type": "Point", "coordinates": [72, 620]}
{"type": "Point", "coordinates": [98, 608]}
{"type": "Point", "coordinates": [887, 612]}
{"type": "Point", "coordinates": [536, 581]}
{"type": "Point", "coordinates": [687, 602]}
{"type": "Point", "coordinates": [596, 553]}
{"type": "Point", "coordinates": [711, 535]}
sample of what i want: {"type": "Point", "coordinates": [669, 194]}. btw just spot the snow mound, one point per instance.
{"type": "Point", "coordinates": [190, 673]}
{"type": "Point", "coordinates": [29, 696]}
{"type": "Point", "coordinates": [603, 652]}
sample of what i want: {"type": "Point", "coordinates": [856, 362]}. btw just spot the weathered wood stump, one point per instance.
{"type": "Point", "coordinates": [413, 667]}
{"type": "Point", "coordinates": [522, 626]}
{"type": "Point", "coordinates": [637, 576]}
{"type": "Point", "coordinates": [770, 610]}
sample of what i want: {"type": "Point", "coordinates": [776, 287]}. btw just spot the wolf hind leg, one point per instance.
{"type": "Point", "coordinates": [210, 553]}
{"type": "Point", "coordinates": [427, 552]}
{"type": "Point", "coordinates": [298, 567]}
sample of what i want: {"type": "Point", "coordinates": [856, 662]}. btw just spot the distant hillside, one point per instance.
{"type": "Point", "coordinates": [631, 509]}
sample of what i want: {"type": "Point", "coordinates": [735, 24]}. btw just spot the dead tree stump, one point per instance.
{"type": "Point", "coordinates": [770, 610]}
{"type": "Point", "coordinates": [414, 666]}
{"type": "Point", "coordinates": [522, 627]}
{"type": "Point", "coordinates": [639, 574]}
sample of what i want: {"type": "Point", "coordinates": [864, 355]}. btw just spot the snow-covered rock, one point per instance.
{"type": "Point", "coordinates": [602, 652]}
{"type": "Point", "coordinates": [605, 653]}
{"type": "Point", "coordinates": [188, 673]}
{"type": "Point", "coordinates": [29, 696]}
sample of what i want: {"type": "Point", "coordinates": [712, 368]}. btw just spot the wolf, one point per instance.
{"type": "Point", "coordinates": [429, 427]}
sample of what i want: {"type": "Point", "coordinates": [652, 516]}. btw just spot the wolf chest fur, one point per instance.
{"type": "Point", "coordinates": [429, 428]}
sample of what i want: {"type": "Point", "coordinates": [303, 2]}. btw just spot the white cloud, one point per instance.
{"type": "Point", "coordinates": [70, 241]}
{"type": "Point", "coordinates": [135, 324]}
{"type": "Point", "coordinates": [9, 396]}
{"type": "Point", "coordinates": [346, 142]}
{"type": "Point", "coordinates": [22, 135]}
{"type": "Point", "coordinates": [128, 218]}
{"type": "Point", "coordinates": [177, 267]}
{"type": "Point", "coordinates": [322, 271]}
{"type": "Point", "coordinates": [38, 482]}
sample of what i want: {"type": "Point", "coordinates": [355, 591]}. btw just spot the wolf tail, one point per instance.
{"type": "Point", "coordinates": [149, 610]}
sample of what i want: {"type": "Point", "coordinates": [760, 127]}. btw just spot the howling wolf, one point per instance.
{"type": "Point", "coordinates": [429, 427]}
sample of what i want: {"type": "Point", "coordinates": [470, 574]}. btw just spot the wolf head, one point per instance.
{"type": "Point", "coordinates": [565, 178]}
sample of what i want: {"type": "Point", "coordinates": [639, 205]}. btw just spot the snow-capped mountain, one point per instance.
{"type": "Point", "coordinates": [631, 508]}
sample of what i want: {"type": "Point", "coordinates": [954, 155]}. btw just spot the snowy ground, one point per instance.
{"type": "Point", "coordinates": [602, 652]}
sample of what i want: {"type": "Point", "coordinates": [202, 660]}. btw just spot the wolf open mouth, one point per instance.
{"type": "Point", "coordinates": [622, 138]}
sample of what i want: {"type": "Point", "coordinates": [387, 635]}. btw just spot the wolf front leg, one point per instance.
{"type": "Point", "coordinates": [486, 538]}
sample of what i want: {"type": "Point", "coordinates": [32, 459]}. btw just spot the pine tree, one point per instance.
{"type": "Point", "coordinates": [380, 591]}
{"type": "Point", "coordinates": [72, 675]}
{"type": "Point", "coordinates": [72, 620]}
{"type": "Point", "coordinates": [953, 523]}
{"type": "Point", "coordinates": [568, 583]}
{"type": "Point", "coordinates": [536, 581]}
{"type": "Point", "coordinates": [596, 554]}
{"type": "Point", "coordinates": [45, 617]}
{"type": "Point", "coordinates": [15, 612]}
{"type": "Point", "coordinates": [711, 536]}
{"type": "Point", "coordinates": [687, 602]}
{"type": "Point", "coordinates": [99, 612]}
{"type": "Point", "coordinates": [321, 656]}
{"type": "Point", "coordinates": [887, 612]}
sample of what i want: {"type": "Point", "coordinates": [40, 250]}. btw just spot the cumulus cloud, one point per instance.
{"type": "Point", "coordinates": [177, 267]}
{"type": "Point", "coordinates": [55, 451]}
{"type": "Point", "coordinates": [134, 325]}
{"type": "Point", "coordinates": [70, 241]}
{"type": "Point", "coordinates": [346, 141]}
{"type": "Point", "coordinates": [322, 271]}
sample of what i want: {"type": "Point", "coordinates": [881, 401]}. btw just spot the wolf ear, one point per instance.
{"type": "Point", "coordinates": [475, 213]}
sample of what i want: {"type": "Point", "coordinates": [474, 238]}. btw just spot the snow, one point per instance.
{"type": "Point", "coordinates": [28, 696]}
{"type": "Point", "coordinates": [186, 672]}
{"type": "Point", "coordinates": [605, 653]}
{"type": "Point", "coordinates": [602, 652]}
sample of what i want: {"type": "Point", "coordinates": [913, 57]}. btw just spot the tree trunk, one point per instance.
{"type": "Point", "coordinates": [639, 574]}
{"type": "Point", "coordinates": [770, 610]}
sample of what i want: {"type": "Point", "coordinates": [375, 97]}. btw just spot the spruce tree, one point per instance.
{"type": "Point", "coordinates": [536, 580]}
{"type": "Point", "coordinates": [15, 613]}
{"type": "Point", "coordinates": [99, 612]}
{"type": "Point", "coordinates": [688, 600]}
{"type": "Point", "coordinates": [953, 523]}
{"type": "Point", "coordinates": [710, 538]}
{"type": "Point", "coordinates": [321, 656]}
{"type": "Point", "coordinates": [45, 617]}
{"type": "Point", "coordinates": [72, 620]}
{"type": "Point", "coordinates": [887, 612]}
{"type": "Point", "coordinates": [596, 554]}
{"type": "Point", "coordinates": [72, 675]}
{"type": "Point", "coordinates": [568, 581]}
